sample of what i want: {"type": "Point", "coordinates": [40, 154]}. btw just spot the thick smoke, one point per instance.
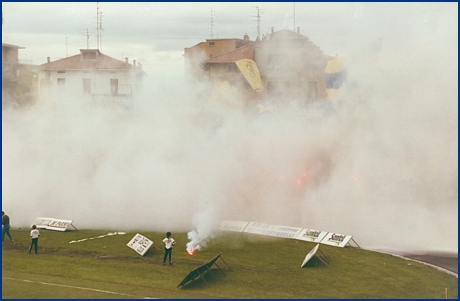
{"type": "Point", "coordinates": [381, 164]}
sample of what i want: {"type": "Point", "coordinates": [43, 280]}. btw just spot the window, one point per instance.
{"type": "Point", "coordinates": [114, 86]}
{"type": "Point", "coordinates": [61, 84]}
{"type": "Point", "coordinates": [278, 61]}
{"type": "Point", "coordinates": [86, 86]}
{"type": "Point", "coordinates": [211, 43]}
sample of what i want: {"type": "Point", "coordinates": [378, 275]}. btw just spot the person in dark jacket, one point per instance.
{"type": "Point", "coordinates": [6, 227]}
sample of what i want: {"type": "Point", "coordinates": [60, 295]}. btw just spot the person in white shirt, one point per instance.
{"type": "Point", "coordinates": [34, 234]}
{"type": "Point", "coordinates": [169, 242]}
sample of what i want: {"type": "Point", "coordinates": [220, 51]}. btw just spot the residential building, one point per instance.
{"type": "Point", "coordinates": [19, 81]}
{"type": "Point", "coordinates": [90, 75]}
{"type": "Point", "coordinates": [223, 68]}
{"type": "Point", "coordinates": [195, 56]}
{"type": "Point", "coordinates": [288, 62]}
{"type": "Point", "coordinates": [10, 62]}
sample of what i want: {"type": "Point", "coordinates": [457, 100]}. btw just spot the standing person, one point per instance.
{"type": "Point", "coordinates": [169, 242]}
{"type": "Point", "coordinates": [34, 234]}
{"type": "Point", "coordinates": [6, 227]}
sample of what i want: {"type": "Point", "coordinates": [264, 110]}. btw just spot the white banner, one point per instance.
{"type": "Point", "coordinates": [311, 235]}
{"type": "Point", "coordinates": [59, 224]}
{"type": "Point", "coordinates": [234, 226]}
{"type": "Point", "coordinates": [42, 222]}
{"type": "Point", "coordinates": [309, 255]}
{"type": "Point", "coordinates": [140, 244]}
{"type": "Point", "coordinates": [336, 240]}
{"type": "Point", "coordinates": [272, 230]}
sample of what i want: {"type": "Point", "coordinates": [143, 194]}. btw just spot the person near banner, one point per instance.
{"type": "Point", "coordinates": [169, 242]}
{"type": "Point", "coordinates": [6, 227]}
{"type": "Point", "coordinates": [34, 234]}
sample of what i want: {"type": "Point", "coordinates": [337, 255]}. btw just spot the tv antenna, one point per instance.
{"type": "Point", "coordinates": [99, 27]}
{"type": "Point", "coordinates": [294, 16]}
{"type": "Point", "coordinates": [87, 39]}
{"type": "Point", "coordinates": [258, 17]}
{"type": "Point", "coordinates": [123, 55]}
{"type": "Point", "coordinates": [212, 24]}
{"type": "Point", "coordinates": [66, 44]}
{"type": "Point", "coordinates": [100, 31]}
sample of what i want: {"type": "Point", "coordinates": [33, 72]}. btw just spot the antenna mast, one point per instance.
{"type": "Point", "coordinates": [66, 52]}
{"type": "Point", "coordinates": [87, 39]}
{"type": "Point", "coordinates": [100, 31]}
{"type": "Point", "coordinates": [212, 24]}
{"type": "Point", "coordinates": [97, 26]}
{"type": "Point", "coordinates": [294, 16]}
{"type": "Point", "coordinates": [123, 55]}
{"type": "Point", "coordinates": [258, 23]}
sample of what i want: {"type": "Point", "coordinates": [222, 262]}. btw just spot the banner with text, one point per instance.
{"type": "Point", "coordinates": [311, 235]}
{"type": "Point", "coordinates": [272, 230]}
{"type": "Point", "coordinates": [59, 224]}
{"type": "Point", "coordinates": [336, 240]}
{"type": "Point", "coordinates": [140, 244]}
{"type": "Point", "coordinates": [43, 222]}
{"type": "Point", "coordinates": [235, 226]}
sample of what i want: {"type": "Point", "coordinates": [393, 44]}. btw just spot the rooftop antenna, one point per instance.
{"type": "Point", "coordinates": [212, 24]}
{"type": "Point", "coordinates": [87, 39]}
{"type": "Point", "coordinates": [97, 26]}
{"type": "Point", "coordinates": [258, 16]}
{"type": "Point", "coordinates": [87, 35]}
{"type": "Point", "coordinates": [123, 55]}
{"type": "Point", "coordinates": [66, 44]}
{"type": "Point", "coordinates": [100, 31]}
{"type": "Point", "coordinates": [294, 16]}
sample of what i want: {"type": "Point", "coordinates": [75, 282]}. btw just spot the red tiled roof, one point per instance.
{"type": "Point", "coordinates": [245, 52]}
{"type": "Point", "coordinates": [76, 62]}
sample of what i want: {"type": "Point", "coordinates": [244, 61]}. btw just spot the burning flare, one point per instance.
{"type": "Point", "coordinates": [191, 248]}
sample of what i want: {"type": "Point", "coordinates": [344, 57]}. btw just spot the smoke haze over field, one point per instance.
{"type": "Point", "coordinates": [381, 165]}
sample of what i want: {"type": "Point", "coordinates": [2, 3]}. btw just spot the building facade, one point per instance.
{"type": "Point", "coordinates": [288, 62]}
{"type": "Point", "coordinates": [19, 81]}
{"type": "Point", "coordinates": [196, 56]}
{"type": "Point", "coordinates": [90, 75]}
{"type": "Point", "coordinates": [10, 62]}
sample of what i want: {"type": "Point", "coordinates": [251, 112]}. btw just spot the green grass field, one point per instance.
{"type": "Point", "coordinates": [260, 267]}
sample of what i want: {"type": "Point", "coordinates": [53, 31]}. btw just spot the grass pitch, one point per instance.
{"type": "Point", "coordinates": [260, 267]}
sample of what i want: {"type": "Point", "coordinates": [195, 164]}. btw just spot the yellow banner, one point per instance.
{"type": "Point", "coordinates": [251, 73]}
{"type": "Point", "coordinates": [335, 65]}
{"type": "Point", "coordinates": [335, 78]}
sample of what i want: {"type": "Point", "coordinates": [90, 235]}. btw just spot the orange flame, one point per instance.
{"type": "Point", "coordinates": [191, 249]}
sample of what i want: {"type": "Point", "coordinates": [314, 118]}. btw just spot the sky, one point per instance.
{"type": "Point", "coordinates": [381, 165]}
{"type": "Point", "coordinates": [156, 34]}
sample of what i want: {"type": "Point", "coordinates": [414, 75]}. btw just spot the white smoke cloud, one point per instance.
{"type": "Point", "coordinates": [380, 165]}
